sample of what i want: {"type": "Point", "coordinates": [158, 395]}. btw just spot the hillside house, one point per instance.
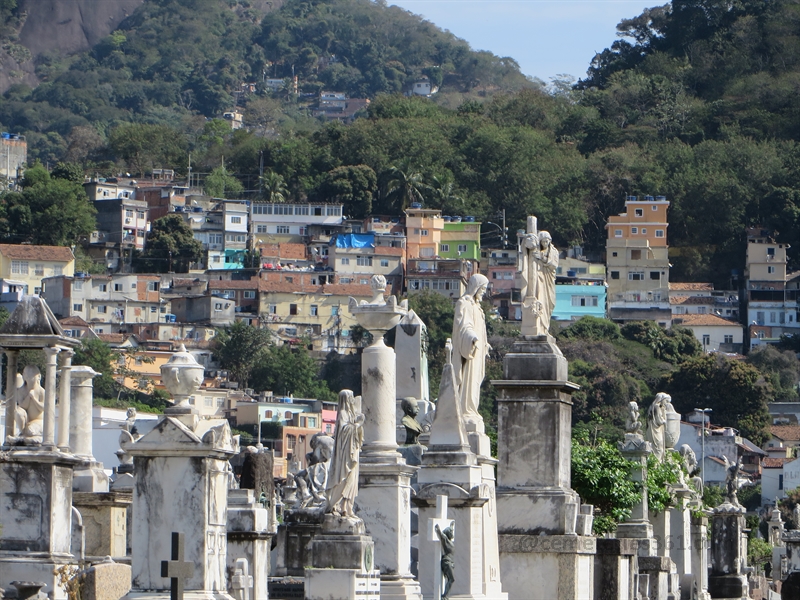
{"type": "Point", "coordinates": [30, 265]}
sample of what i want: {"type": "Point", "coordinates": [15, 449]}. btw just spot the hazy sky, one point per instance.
{"type": "Point", "coordinates": [546, 37]}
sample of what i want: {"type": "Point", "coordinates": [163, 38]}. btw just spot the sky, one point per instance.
{"type": "Point", "coordinates": [546, 37]}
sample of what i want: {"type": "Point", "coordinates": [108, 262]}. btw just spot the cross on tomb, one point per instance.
{"type": "Point", "coordinates": [443, 523]}
{"type": "Point", "coordinates": [242, 581]}
{"type": "Point", "coordinates": [177, 569]}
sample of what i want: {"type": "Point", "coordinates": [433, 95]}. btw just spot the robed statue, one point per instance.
{"type": "Point", "coordinates": [539, 263]}
{"type": "Point", "coordinates": [470, 349]}
{"type": "Point", "coordinates": [343, 472]}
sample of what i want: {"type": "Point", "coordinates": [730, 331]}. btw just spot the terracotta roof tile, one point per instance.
{"type": "Point", "coordinates": [788, 433]}
{"type": "Point", "coordinates": [702, 321]}
{"type": "Point", "coordinates": [389, 251]}
{"type": "Point", "coordinates": [26, 252]}
{"type": "Point", "coordinates": [694, 287]}
{"type": "Point", "coordinates": [112, 338]}
{"type": "Point", "coordinates": [73, 322]}
{"type": "Point", "coordinates": [774, 463]}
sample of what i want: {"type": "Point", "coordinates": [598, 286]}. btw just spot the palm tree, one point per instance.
{"type": "Point", "coordinates": [273, 187]}
{"type": "Point", "coordinates": [443, 191]}
{"type": "Point", "coordinates": [404, 185]}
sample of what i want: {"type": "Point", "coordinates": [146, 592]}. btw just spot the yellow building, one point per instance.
{"type": "Point", "coordinates": [294, 307]}
{"type": "Point", "coordinates": [423, 232]}
{"type": "Point", "coordinates": [637, 261]}
{"type": "Point", "coordinates": [31, 264]}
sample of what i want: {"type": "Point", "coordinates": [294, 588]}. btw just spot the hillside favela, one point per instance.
{"type": "Point", "coordinates": [313, 300]}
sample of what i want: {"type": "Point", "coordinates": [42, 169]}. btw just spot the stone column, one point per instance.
{"type": "Point", "coordinates": [700, 555]}
{"type": "Point", "coordinates": [49, 427]}
{"type": "Point", "coordinates": [64, 394]}
{"type": "Point", "coordinates": [727, 578]}
{"type": "Point", "coordinates": [540, 554]}
{"type": "Point", "coordinates": [11, 381]}
{"type": "Point", "coordinates": [384, 485]}
{"type": "Point", "coordinates": [638, 527]}
{"type": "Point", "coordinates": [80, 422]}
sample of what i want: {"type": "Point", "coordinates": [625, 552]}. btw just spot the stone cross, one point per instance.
{"type": "Point", "coordinates": [443, 522]}
{"type": "Point", "coordinates": [241, 582]}
{"type": "Point", "coordinates": [177, 569]}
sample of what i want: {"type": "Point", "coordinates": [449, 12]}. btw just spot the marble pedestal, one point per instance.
{"type": "Point", "coordinates": [458, 475]}
{"type": "Point", "coordinates": [616, 569]}
{"type": "Point", "coordinates": [638, 527]}
{"type": "Point", "coordinates": [182, 476]}
{"type": "Point", "coordinates": [728, 554]}
{"type": "Point", "coordinates": [343, 563]}
{"type": "Point", "coordinates": [105, 517]}
{"type": "Point", "coordinates": [656, 578]}
{"type": "Point", "coordinates": [249, 537]}
{"type": "Point", "coordinates": [294, 552]}
{"type": "Point", "coordinates": [699, 536]}
{"type": "Point", "coordinates": [540, 554]}
{"type": "Point", "coordinates": [35, 517]}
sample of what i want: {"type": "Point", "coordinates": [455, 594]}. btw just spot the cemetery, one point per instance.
{"type": "Point", "coordinates": [405, 500]}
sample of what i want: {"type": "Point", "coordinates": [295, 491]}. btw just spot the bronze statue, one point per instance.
{"type": "Point", "coordinates": [409, 421]}
{"type": "Point", "coordinates": [448, 557]}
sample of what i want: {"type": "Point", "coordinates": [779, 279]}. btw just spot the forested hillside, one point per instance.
{"type": "Point", "coordinates": [696, 101]}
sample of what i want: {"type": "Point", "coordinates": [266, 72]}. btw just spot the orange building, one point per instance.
{"type": "Point", "coordinates": [423, 232]}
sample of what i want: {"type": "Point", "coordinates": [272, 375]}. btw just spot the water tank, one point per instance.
{"type": "Point", "coordinates": [469, 219]}
{"type": "Point", "coordinates": [416, 205]}
{"type": "Point", "coordinates": [572, 273]}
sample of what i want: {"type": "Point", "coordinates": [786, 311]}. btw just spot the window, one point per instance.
{"type": "Point", "coordinates": [214, 238]}
{"type": "Point", "coordinates": [780, 482]}
{"type": "Point", "coordinates": [759, 318]}
{"type": "Point", "coordinates": [38, 270]}
{"type": "Point", "coordinates": [133, 286]}
{"type": "Point", "coordinates": [634, 230]}
{"type": "Point", "coordinates": [77, 307]}
{"type": "Point", "coordinates": [364, 261]}
{"type": "Point", "coordinates": [117, 287]}
{"type": "Point", "coordinates": [282, 229]}
{"type": "Point", "coordinates": [770, 269]}
{"type": "Point", "coordinates": [216, 259]}
{"type": "Point", "coordinates": [37, 291]}
{"type": "Point", "coordinates": [236, 220]}
{"type": "Point", "coordinates": [102, 287]}
{"type": "Point", "coordinates": [249, 294]}
{"type": "Point", "coordinates": [638, 212]}
{"type": "Point", "coordinates": [208, 402]}
{"type": "Point", "coordinates": [262, 209]}
{"type": "Point", "coordinates": [584, 301]}
{"type": "Point", "coordinates": [614, 254]}
{"type": "Point", "coordinates": [728, 339]}
{"type": "Point", "coordinates": [334, 311]}
{"type": "Point", "coordinates": [771, 252]}
{"type": "Point", "coordinates": [614, 274]}
{"type": "Point", "coordinates": [314, 310]}
{"type": "Point", "coordinates": [129, 214]}
{"type": "Point", "coordinates": [426, 252]}
{"type": "Point", "coordinates": [272, 309]}
{"type": "Point", "coordinates": [444, 247]}
{"type": "Point", "coordinates": [301, 210]}
{"type": "Point", "coordinates": [236, 237]}
{"type": "Point", "coordinates": [152, 286]}
{"type": "Point", "coordinates": [78, 285]}
{"type": "Point", "coordinates": [19, 267]}
{"type": "Point", "coordinates": [423, 232]}
{"type": "Point", "coordinates": [311, 422]}
{"type": "Point", "coordinates": [217, 306]}
{"type": "Point", "coordinates": [636, 255]}
{"type": "Point", "coordinates": [494, 273]}
{"type": "Point", "coordinates": [655, 275]}
{"type": "Point", "coordinates": [261, 229]}
{"type": "Point", "coordinates": [345, 261]}
{"type": "Point", "coordinates": [644, 231]}
{"type": "Point", "coordinates": [618, 233]}
{"type": "Point", "coordinates": [58, 270]}
{"type": "Point", "coordinates": [102, 309]}
{"type": "Point", "coordinates": [345, 280]}
{"type": "Point", "coordinates": [384, 262]}
{"type": "Point", "coordinates": [772, 318]}
{"type": "Point", "coordinates": [153, 309]}
{"type": "Point", "coordinates": [220, 402]}
{"type": "Point", "coordinates": [635, 276]}
{"type": "Point", "coordinates": [293, 309]}
{"type": "Point", "coordinates": [364, 281]}
{"type": "Point", "coordinates": [659, 233]}
{"type": "Point", "coordinates": [462, 247]}
{"type": "Point", "coordinates": [654, 207]}
{"type": "Point", "coordinates": [139, 215]}
{"type": "Point", "coordinates": [706, 339]}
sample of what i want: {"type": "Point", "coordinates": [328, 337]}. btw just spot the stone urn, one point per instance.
{"type": "Point", "coordinates": [672, 430]}
{"type": "Point", "coordinates": [182, 375]}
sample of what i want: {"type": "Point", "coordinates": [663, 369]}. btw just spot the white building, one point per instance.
{"type": "Point", "coordinates": [275, 223]}
{"type": "Point", "coordinates": [714, 333]}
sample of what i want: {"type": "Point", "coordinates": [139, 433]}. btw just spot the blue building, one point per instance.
{"type": "Point", "coordinates": [574, 301]}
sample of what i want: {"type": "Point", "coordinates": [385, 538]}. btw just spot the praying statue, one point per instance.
{"type": "Point", "coordinates": [470, 349]}
{"type": "Point", "coordinates": [343, 474]}
{"type": "Point", "coordinates": [732, 480]}
{"type": "Point", "coordinates": [409, 420]}
{"type": "Point", "coordinates": [633, 424]}
{"type": "Point", "coordinates": [448, 563]}
{"type": "Point", "coordinates": [656, 426]}
{"type": "Point", "coordinates": [29, 415]}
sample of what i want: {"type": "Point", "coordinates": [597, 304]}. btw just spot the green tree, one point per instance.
{"type": "Point", "coordinates": [273, 187]}
{"type": "Point", "coordinates": [145, 147]}
{"type": "Point", "coordinates": [69, 171]}
{"type": "Point", "coordinates": [171, 247]}
{"type": "Point", "coordinates": [353, 186]}
{"type": "Point", "coordinates": [239, 348]}
{"type": "Point", "coordinates": [290, 370]}
{"type": "Point", "coordinates": [781, 369]}
{"type": "Point", "coordinates": [736, 391]}
{"type": "Point", "coordinates": [403, 185]}
{"type": "Point", "coordinates": [48, 211]}
{"type": "Point", "coordinates": [221, 184]}
{"type": "Point", "coordinates": [98, 355]}
{"type": "Point", "coordinates": [602, 477]}
{"type": "Point", "coordinates": [436, 312]}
